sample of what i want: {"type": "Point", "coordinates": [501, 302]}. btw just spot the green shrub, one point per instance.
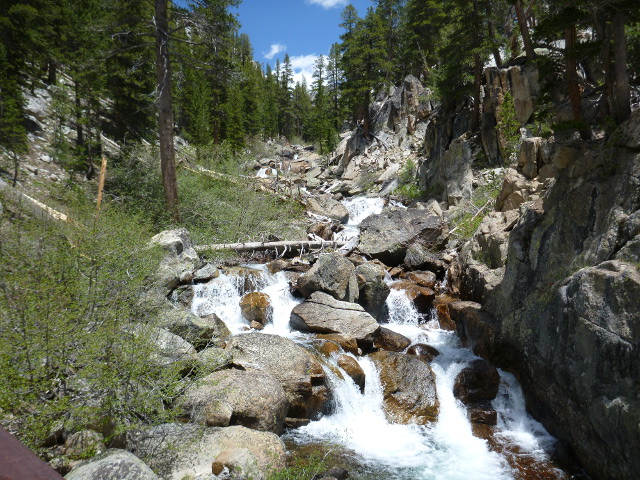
{"type": "Point", "coordinates": [69, 297]}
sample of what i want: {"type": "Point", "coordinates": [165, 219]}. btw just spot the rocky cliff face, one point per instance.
{"type": "Point", "coordinates": [568, 305]}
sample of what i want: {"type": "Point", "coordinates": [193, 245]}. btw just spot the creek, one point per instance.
{"type": "Point", "coordinates": [356, 431]}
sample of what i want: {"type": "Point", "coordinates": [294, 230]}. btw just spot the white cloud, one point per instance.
{"type": "Point", "coordinates": [276, 48]}
{"type": "Point", "coordinates": [328, 3]}
{"type": "Point", "coordinates": [302, 66]}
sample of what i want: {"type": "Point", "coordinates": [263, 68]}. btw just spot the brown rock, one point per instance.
{"type": "Point", "coordinates": [409, 388]}
{"type": "Point", "coordinates": [423, 351]}
{"type": "Point", "coordinates": [328, 347]}
{"type": "Point", "coordinates": [422, 278]}
{"type": "Point", "coordinates": [256, 308]}
{"type": "Point", "coordinates": [477, 382]}
{"type": "Point", "coordinates": [422, 297]}
{"type": "Point", "coordinates": [482, 413]}
{"type": "Point", "coordinates": [391, 341]}
{"type": "Point", "coordinates": [348, 344]}
{"type": "Point", "coordinates": [353, 369]}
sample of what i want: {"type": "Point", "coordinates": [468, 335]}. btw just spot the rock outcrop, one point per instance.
{"type": "Point", "coordinates": [566, 311]}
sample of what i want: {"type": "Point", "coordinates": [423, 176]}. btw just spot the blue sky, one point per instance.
{"type": "Point", "coordinates": [302, 28]}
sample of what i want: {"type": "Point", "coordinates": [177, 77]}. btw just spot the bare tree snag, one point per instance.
{"type": "Point", "coordinates": [165, 109]}
{"type": "Point", "coordinates": [573, 86]}
{"type": "Point", "coordinates": [103, 172]}
{"type": "Point", "coordinates": [524, 31]}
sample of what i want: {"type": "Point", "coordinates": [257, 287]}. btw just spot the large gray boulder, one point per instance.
{"type": "Point", "coordinates": [328, 207]}
{"type": "Point", "coordinates": [373, 289]}
{"type": "Point", "coordinates": [250, 398]}
{"type": "Point", "coordinates": [322, 313]}
{"type": "Point", "coordinates": [299, 373]}
{"type": "Point", "coordinates": [113, 464]}
{"type": "Point", "coordinates": [179, 451]}
{"type": "Point", "coordinates": [388, 235]}
{"type": "Point", "coordinates": [180, 261]}
{"type": "Point", "coordinates": [409, 388]}
{"type": "Point", "coordinates": [332, 274]}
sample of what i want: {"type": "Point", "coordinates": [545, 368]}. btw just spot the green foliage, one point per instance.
{"type": "Point", "coordinates": [218, 210]}
{"type": "Point", "coordinates": [508, 127]}
{"type": "Point", "coordinates": [301, 468]}
{"type": "Point", "coordinates": [69, 299]}
{"type": "Point", "coordinates": [470, 214]}
{"type": "Point", "coordinates": [407, 184]}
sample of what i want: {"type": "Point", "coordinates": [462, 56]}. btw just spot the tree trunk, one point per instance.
{"type": "Point", "coordinates": [524, 31]}
{"type": "Point", "coordinates": [165, 109]}
{"type": "Point", "coordinates": [605, 107]}
{"type": "Point", "coordinates": [477, 70]}
{"type": "Point", "coordinates": [623, 90]}
{"type": "Point", "coordinates": [573, 87]}
{"type": "Point", "coordinates": [494, 46]}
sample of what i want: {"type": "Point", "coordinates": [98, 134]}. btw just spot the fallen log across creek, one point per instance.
{"type": "Point", "coordinates": [284, 245]}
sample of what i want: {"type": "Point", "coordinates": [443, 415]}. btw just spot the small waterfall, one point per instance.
{"type": "Point", "coordinates": [222, 296]}
{"type": "Point", "coordinates": [443, 450]}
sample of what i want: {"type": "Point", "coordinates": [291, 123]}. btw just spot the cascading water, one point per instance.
{"type": "Point", "coordinates": [444, 450]}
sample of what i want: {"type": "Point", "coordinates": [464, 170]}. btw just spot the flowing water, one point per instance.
{"type": "Point", "coordinates": [357, 426]}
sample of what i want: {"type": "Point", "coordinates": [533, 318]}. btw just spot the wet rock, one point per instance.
{"type": "Point", "coordinates": [332, 274]}
{"type": "Point", "coordinates": [113, 464]}
{"type": "Point", "coordinates": [423, 351]}
{"type": "Point", "coordinates": [391, 341]}
{"type": "Point", "coordinates": [421, 297]}
{"type": "Point", "coordinates": [476, 328]}
{"type": "Point", "coordinates": [348, 344]}
{"type": "Point", "coordinates": [246, 279]}
{"type": "Point", "coordinates": [409, 388]}
{"type": "Point", "coordinates": [188, 450]}
{"type": "Point", "coordinates": [256, 308]}
{"type": "Point", "coordinates": [353, 369]}
{"type": "Point", "coordinates": [321, 313]}
{"type": "Point", "coordinates": [477, 382]}
{"type": "Point", "coordinates": [387, 235]}
{"type": "Point", "coordinates": [250, 398]}
{"type": "Point", "coordinates": [299, 373]}
{"type": "Point", "coordinates": [373, 290]}
{"type": "Point", "coordinates": [206, 273]}
{"type": "Point", "coordinates": [326, 206]}
{"type": "Point", "coordinates": [423, 278]}
{"type": "Point", "coordinates": [324, 230]}
{"type": "Point", "coordinates": [337, 473]}
{"type": "Point", "coordinates": [482, 413]}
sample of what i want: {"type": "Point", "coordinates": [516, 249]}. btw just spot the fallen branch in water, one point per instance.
{"type": "Point", "coordinates": [284, 245]}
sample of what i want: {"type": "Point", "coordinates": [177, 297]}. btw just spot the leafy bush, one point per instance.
{"type": "Point", "coordinates": [508, 127]}
{"type": "Point", "coordinates": [69, 298]}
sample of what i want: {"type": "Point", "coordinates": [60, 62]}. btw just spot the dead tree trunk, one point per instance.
{"type": "Point", "coordinates": [165, 109]}
{"type": "Point", "coordinates": [573, 87]}
{"type": "Point", "coordinates": [524, 31]}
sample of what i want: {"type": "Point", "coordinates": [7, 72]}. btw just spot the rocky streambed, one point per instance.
{"type": "Point", "coordinates": [339, 356]}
